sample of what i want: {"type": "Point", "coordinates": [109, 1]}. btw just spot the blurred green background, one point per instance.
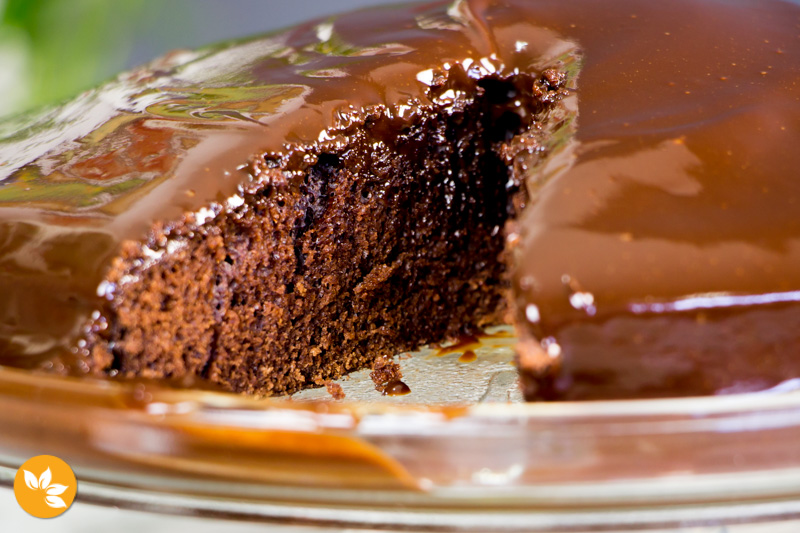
{"type": "Point", "coordinates": [53, 49]}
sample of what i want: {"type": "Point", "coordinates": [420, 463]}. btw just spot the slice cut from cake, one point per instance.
{"type": "Point", "coordinates": [270, 214]}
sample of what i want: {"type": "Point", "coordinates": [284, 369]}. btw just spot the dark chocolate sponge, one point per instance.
{"type": "Point", "coordinates": [335, 255]}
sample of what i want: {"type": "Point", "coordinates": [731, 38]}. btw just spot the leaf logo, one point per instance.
{"type": "Point", "coordinates": [39, 495]}
{"type": "Point", "coordinates": [52, 491]}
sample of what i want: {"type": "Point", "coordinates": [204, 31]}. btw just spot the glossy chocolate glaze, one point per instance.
{"type": "Point", "coordinates": [664, 258]}
{"type": "Point", "coordinates": [679, 182]}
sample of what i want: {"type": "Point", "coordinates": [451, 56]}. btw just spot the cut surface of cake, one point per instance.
{"type": "Point", "coordinates": [270, 214]}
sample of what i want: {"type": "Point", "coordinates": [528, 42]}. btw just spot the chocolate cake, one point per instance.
{"type": "Point", "coordinates": [270, 214]}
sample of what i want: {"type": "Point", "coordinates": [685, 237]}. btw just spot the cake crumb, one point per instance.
{"type": "Point", "coordinates": [385, 372]}
{"type": "Point", "coordinates": [335, 390]}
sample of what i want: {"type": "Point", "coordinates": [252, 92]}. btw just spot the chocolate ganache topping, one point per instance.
{"type": "Point", "coordinates": [664, 257]}
{"type": "Point", "coordinates": [657, 254]}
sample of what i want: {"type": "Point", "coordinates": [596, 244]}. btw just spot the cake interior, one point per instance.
{"type": "Point", "coordinates": [388, 237]}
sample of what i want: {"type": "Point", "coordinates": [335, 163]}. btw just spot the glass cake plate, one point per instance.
{"type": "Point", "coordinates": [461, 451]}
